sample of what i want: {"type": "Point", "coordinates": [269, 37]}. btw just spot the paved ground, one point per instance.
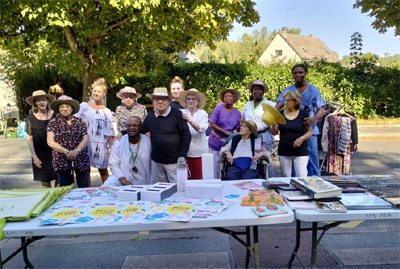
{"type": "Point", "coordinates": [371, 244]}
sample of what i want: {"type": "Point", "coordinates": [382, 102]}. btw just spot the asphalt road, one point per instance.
{"type": "Point", "coordinates": [371, 244]}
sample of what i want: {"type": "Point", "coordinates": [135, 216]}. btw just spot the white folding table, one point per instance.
{"type": "Point", "coordinates": [234, 216]}
{"type": "Point", "coordinates": [334, 219]}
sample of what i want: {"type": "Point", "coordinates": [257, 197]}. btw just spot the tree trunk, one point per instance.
{"type": "Point", "coordinates": [88, 78]}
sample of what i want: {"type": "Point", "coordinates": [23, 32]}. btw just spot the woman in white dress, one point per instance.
{"type": "Point", "coordinates": [98, 119]}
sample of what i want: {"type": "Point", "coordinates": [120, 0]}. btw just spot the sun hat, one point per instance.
{"type": "Point", "coordinates": [158, 91]}
{"type": "Point", "coordinates": [130, 90]}
{"type": "Point", "coordinates": [257, 82]}
{"type": "Point", "coordinates": [272, 115]}
{"type": "Point", "coordinates": [39, 93]}
{"type": "Point", "coordinates": [252, 126]}
{"type": "Point", "coordinates": [201, 96]}
{"type": "Point", "coordinates": [236, 94]}
{"type": "Point", "coordinates": [64, 99]}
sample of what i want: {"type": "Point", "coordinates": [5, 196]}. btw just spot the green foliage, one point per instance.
{"type": "Point", "coordinates": [386, 13]}
{"type": "Point", "coordinates": [116, 38]}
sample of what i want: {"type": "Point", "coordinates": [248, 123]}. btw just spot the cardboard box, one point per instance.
{"type": "Point", "coordinates": [159, 191]}
{"type": "Point", "coordinates": [203, 189]}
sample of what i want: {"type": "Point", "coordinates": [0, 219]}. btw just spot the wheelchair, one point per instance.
{"type": "Point", "coordinates": [262, 166]}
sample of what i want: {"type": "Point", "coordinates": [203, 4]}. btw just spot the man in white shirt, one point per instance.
{"type": "Point", "coordinates": [130, 157]}
{"type": "Point", "coordinates": [253, 110]}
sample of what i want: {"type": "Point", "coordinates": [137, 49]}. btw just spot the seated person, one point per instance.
{"type": "Point", "coordinates": [130, 157]}
{"type": "Point", "coordinates": [242, 150]}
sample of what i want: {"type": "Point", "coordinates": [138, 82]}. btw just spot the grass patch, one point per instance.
{"type": "Point", "coordinates": [378, 121]}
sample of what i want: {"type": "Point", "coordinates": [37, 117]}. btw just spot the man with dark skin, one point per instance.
{"type": "Point", "coordinates": [253, 110]}
{"type": "Point", "coordinates": [312, 103]}
{"type": "Point", "coordinates": [130, 157]}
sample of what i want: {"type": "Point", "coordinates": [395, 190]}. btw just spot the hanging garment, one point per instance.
{"type": "Point", "coordinates": [336, 142]}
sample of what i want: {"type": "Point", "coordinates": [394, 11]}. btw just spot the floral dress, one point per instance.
{"type": "Point", "coordinates": [99, 128]}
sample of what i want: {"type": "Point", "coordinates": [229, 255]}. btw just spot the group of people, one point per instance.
{"type": "Point", "coordinates": [65, 136]}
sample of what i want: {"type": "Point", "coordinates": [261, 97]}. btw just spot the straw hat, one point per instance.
{"type": "Point", "coordinates": [252, 126]}
{"type": "Point", "coordinates": [272, 115]}
{"type": "Point", "coordinates": [201, 96]}
{"type": "Point", "coordinates": [64, 99]}
{"type": "Point", "coordinates": [158, 91]}
{"type": "Point", "coordinates": [39, 93]}
{"type": "Point", "coordinates": [257, 82]}
{"type": "Point", "coordinates": [128, 89]}
{"type": "Point", "coordinates": [236, 94]}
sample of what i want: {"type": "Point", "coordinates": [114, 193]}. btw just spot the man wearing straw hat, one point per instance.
{"type": "Point", "coordinates": [169, 135]}
{"type": "Point", "coordinates": [253, 110]}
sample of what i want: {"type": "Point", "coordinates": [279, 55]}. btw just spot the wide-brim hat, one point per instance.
{"type": "Point", "coordinates": [64, 99]}
{"type": "Point", "coordinates": [158, 91]}
{"type": "Point", "coordinates": [201, 96]}
{"type": "Point", "coordinates": [236, 94]}
{"type": "Point", "coordinates": [252, 126]}
{"type": "Point", "coordinates": [130, 90]}
{"type": "Point", "coordinates": [257, 82]}
{"type": "Point", "coordinates": [272, 115]}
{"type": "Point", "coordinates": [39, 93]}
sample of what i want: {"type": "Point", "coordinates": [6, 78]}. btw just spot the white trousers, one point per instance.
{"type": "Point", "coordinates": [217, 165]}
{"type": "Point", "coordinates": [299, 164]}
{"type": "Point", "coordinates": [163, 172]}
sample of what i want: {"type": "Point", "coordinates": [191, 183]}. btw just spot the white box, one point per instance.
{"type": "Point", "coordinates": [158, 191]}
{"type": "Point", "coordinates": [202, 189]}
{"type": "Point", "coordinates": [128, 195]}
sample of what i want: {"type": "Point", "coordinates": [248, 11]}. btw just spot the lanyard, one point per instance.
{"type": "Point", "coordinates": [134, 154]}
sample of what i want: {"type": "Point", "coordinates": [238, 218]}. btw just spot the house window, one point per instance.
{"type": "Point", "coordinates": [278, 53]}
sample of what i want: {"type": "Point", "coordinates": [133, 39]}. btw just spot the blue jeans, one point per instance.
{"type": "Point", "coordinates": [313, 162]}
{"type": "Point", "coordinates": [234, 173]}
{"type": "Point", "coordinates": [66, 178]}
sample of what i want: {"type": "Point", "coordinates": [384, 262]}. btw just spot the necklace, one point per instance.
{"type": "Point", "coordinates": [291, 116]}
{"type": "Point", "coordinates": [42, 116]}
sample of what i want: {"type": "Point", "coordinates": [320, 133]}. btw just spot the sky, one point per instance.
{"type": "Point", "coordinates": [332, 21]}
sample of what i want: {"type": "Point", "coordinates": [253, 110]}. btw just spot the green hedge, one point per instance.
{"type": "Point", "coordinates": [366, 89]}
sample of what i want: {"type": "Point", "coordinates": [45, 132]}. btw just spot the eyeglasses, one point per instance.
{"type": "Point", "coordinates": [131, 96]}
{"type": "Point", "coordinates": [191, 99]}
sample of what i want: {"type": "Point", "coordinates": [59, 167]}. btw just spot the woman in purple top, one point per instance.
{"type": "Point", "coordinates": [67, 136]}
{"type": "Point", "coordinates": [223, 120]}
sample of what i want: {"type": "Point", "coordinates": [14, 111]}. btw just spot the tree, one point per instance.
{"type": "Point", "coordinates": [113, 38]}
{"type": "Point", "coordinates": [386, 13]}
{"type": "Point", "coordinates": [356, 44]}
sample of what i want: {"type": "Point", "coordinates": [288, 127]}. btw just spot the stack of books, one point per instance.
{"type": "Point", "coordinates": [316, 187]}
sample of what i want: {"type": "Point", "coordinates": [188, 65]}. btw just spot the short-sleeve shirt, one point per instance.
{"type": "Point", "coordinates": [311, 98]}
{"type": "Point", "coordinates": [69, 137]}
{"type": "Point", "coordinates": [122, 114]}
{"type": "Point", "coordinates": [227, 120]}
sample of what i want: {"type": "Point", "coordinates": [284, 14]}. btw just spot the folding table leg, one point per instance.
{"type": "Point", "coordinates": [297, 244]}
{"type": "Point", "coordinates": [248, 246]}
{"type": "Point", "coordinates": [314, 245]}
{"type": "Point", "coordinates": [28, 263]}
{"type": "Point", "coordinates": [256, 247]}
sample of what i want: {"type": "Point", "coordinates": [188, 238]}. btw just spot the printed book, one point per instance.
{"type": "Point", "coordinates": [316, 187]}
{"type": "Point", "coordinates": [365, 200]}
{"type": "Point", "coordinates": [295, 195]}
{"type": "Point", "coordinates": [330, 207]}
{"type": "Point", "coordinates": [299, 205]}
{"type": "Point", "coordinates": [264, 211]}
